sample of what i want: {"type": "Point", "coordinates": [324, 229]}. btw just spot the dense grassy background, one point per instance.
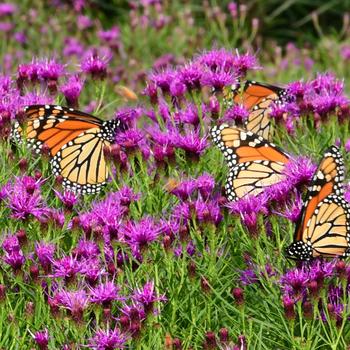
{"type": "Point", "coordinates": [198, 286]}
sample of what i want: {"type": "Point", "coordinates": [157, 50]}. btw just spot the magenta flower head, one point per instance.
{"type": "Point", "coordinates": [67, 267]}
{"type": "Point", "coordinates": [177, 88]}
{"type": "Point", "coordinates": [133, 140]}
{"type": "Point", "coordinates": [191, 76]}
{"type": "Point", "coordinates": [45, 253]}
{"type": "Point", "coordinates": [192, 143]}
{"type": "Point", "coordinates": [218, 79]}
{"type": "Point", "coordinates": [205, 184]}
{"type": "Point", "coordinates": [86, 249]}
{"type": "Point", "coordinates": [111, 37]}
{"type": "Point", "coordinates": [249, 208]}
{"type": "Point", "coordinates": [50, 70]}
{"type": "Point", "coordinates": [94, 65]}
{"type": "Point", "coordinates": [69, 199]}
{"type": "Point", "coordinates": [163, 79]}
{"type": "Point", "coordinates": [73, 301]}
{"type": "Point", "coordinates": [207, 212]}
{"type": "Point", "coordinates": [217, 59]}
{"type": "Point", "coordinates": [140, 234]}
{"type": "Point", "coordinates": [105, 294]}
{"type": "Point", "coordinates": [42, 339]}
{"type": "Point", "coordinates": [72, 47]}
{"type": "Point", "coordinates": [11, 244]}
{"type": "Point", "coordinates": [299, 171]}
{"type": "Point", "coordinates": [147, 296]}
{"type": "Point", "coordinates": [108, 340]}
{"type": "Point", "coordinates": [243, 63]}
{"type": "Point", "coordinates": [295, 282]}
{"type": "Point", "coordinates": [15, 259]}
{"type": "Point", "coordinates": [7, 9]}
{"type": "Point", "coordinates": [72, 90]}
{"type": "Point", "coordinates": [237, 114]}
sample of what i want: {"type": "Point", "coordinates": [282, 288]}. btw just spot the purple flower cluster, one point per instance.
{"type": "Point", "coordinates": [319, 285]}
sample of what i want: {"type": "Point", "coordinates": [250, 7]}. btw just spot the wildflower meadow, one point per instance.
{"type": "Point", "coordinates": [161, 258]}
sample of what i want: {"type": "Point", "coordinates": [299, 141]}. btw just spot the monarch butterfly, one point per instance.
{"type": "Point", "coordinates": [75, 141]}
{"type": "Point", "coordinates": [324, 225]}
{"type": "Point", "coordinates": [257, 99]}
{"type": "Point", "coordinates": [254, 162]}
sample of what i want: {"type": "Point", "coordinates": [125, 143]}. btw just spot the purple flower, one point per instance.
{"type": "Point", "coordinates": [293, 208]}
{"type": "Point", "coordinates": [191, 75]}
{"type": "Point", "coordinates": [177, 88]}
{"type": "Point", "coordinates": [218, 79]}
{"type": "Point", "coordinates": [299, 171]}
{"type": "Point", "coordinates": [72, 90]}
{"type": "Point", "coordinates": [208, 211]}
{"type": "Point", "coordinates": [295, 281]}
{"type": "Point", "coordinates": [94, 65]}
{"type": "Point", "coordinates": [42, 339]}
{"type": "Point", "coordinates": [248, 277]}
{"type": "Point", "coordinates": [72, 47]}
{"type": "Point", "coordinates": [74, 301]}
{"type": "Point", "coordinates": [132, 140]}
{"type": "Point", "coordinates": [92, 270]}
{"type": "Point", "coordinates": [108, 340]}
{"type": "Point", "coordinates": [163, 79]}
{"type": "Point", "coordinates": [163, 61]}
{"type": "Point", "coordinates": [188, 115]}
{"type": "Point", "coordinates": [69, 199]}
{"type": "Point", "coordinates": [183, 190]}
{"type": "Point", "coordinates": [84, 22]}
{"type": "Point", "coordinates": [86, 249]}
{"type": "Point", "coordinates": [345, 52]}
{"type": "Point", "coordinates": [249, 208]}
{"type": "Point", "coordinates": [191, 142]}
{"type": "Point", "coordinates": [140, 234]}
{"type": "Point", "coordinates": [243, 63]}
{"type": "Point", "coordinates": [105, 293]}
{"type": "Point", "coordinates": [217, 59]}
{"type": "Point", "coordinates": [7, 9]}
{"type": "Point", "coordinates": [15, 259]}
{"type": "Point", "coordinates": [45, 252]}
{"type": "Point", "coordinates": [67, 267]}
{"type": "Point", "coordinates": [237, 114]}
{"type": "Point", "coordinates": [205, 185]}
{"type": "Point", "coordinates": [11, 244]}
{"type": "Point", "coordinates": [49, 69]}
{"type": "Point", "coordinates": [111, 36]}
{"type": "Point", "coordinates": [106, 214]}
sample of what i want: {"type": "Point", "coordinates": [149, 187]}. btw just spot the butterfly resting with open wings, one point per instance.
{"type": "Point", "coordinates": [257, 98]}
{"type": "Point", "coordinates": [324, 224]}
{"type": "Point", "coordinates": [75, 141]}
{"type": "Point", "coordinates": [254, 162]}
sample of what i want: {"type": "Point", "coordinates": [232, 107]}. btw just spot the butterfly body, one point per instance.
{"type": "Point", "coordinates": [324, 225]}
{"type": "Point", "coordinates": [75, 141]}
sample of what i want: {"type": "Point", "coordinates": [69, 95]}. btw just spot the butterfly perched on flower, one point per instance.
{"type": "Point", "coordinates": [75, 142]}
{"type": "Point", "coordinates": [254, 163]}
{"type": "Point", "coordinates": [257, 98]}
{"type": "Point", "coordinates": [324, 225]}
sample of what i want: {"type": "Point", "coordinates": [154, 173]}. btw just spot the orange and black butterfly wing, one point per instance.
{"type": "Point", "coordinates": [324, 225]}
{"type": "Point", "coordinates": [257, 98]}
{"type": "Point", "coordinates": [75, 141]}
{"type": "Point", "coordinates": [254, 162]}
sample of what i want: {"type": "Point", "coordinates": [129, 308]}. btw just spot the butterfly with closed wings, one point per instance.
{"type": "Point", "coordinates": [75, 141]}
{"type": "Point", "coordinates": [324, 224]}
{"type": "Point", "coordinates": [254, 162]}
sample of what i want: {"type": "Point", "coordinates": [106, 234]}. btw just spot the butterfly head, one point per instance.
{"type": "Point", "coordinates": [299, 251]}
